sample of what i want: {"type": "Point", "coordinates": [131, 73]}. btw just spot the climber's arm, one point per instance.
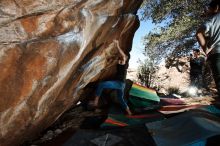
{"type": "Point", "coordinates": [123, 55]}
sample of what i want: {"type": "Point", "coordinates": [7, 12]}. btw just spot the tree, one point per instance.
{"type": "Point", "coordinates": [177, 22]}
{"type": "Point", "coordinates": [180, 19]}
{"type": "Point", "coordinates": [146, 72]}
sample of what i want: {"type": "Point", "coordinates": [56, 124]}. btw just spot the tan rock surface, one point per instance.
{"type": "Point", "coordinates": [49, 51]}
{"type": "Point", "coordinates": [176, 76]}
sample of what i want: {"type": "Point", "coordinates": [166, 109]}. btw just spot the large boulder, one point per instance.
{"type": "Point", "coordinates": [49, 51]}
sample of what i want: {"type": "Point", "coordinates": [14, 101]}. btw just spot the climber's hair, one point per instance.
{"type": "Point", "coordinates": [196, 50]}
{"type": "Point", "coordinates": [214, 4]}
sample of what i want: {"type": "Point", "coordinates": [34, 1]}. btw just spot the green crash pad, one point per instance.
{"type": "Point", "coordinates": [144, 92]}
{"type": "Point", "coordinates": [140, 103]}
{"type": "Point", "coordinates": [141, 96]}
{"type": "Point", "coordinates": [125, 120]}
{"type": "Point", "coordinates": [117, 118]}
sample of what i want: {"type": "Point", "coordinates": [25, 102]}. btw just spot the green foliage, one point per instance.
{"type": "Point", "coordinates": [146, 73]}
{"type": "Point", "coordinates": [173, 90]}
{"type": "Point", "coordinates": [180, 19]}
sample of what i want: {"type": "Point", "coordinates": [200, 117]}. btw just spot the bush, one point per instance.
{"type": "Point", "coordinates": [173, 90]}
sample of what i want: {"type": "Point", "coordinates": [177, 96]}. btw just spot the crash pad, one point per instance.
{"type": "Point", "coordinates": [118, 118]}
{"type": "Point", "coordinates": [172, 101]}
{"type": "Point", "coordinates": [124, 136]}
{"type": "Point", "coordinates": [143, 92]}
{"type": "Point", "coordinates": [173, 109]}
{"type": "Point", "coordinates": [189, 128]}
{"type": "Point", "coordinates": [142, 97]}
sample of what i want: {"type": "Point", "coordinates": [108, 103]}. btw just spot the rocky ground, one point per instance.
{"type": "Point", "coordinates": [76, 118]}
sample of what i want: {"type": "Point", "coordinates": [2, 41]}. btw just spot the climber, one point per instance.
{"type": "Point", "coordinates": [118, 83]}
{"type": "Point", "coordinates": [196, 68]}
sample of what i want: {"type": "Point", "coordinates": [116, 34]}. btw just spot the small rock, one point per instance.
{"type": "Point", "coordinates": [50, 132]}
{"type": "Point", "coordinates": [58, 131]}
{"type": "Point", "coordinates": [49, 135]}
{"type": "Point", "coordinates": [45, 137]}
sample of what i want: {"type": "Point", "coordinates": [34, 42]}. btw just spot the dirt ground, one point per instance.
{"type": "Point", "coordinates": [78, 117]}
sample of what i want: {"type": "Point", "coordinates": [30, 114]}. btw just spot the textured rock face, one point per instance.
{"type": "Point", "coordinates": [176, 76]}
{"type": "Point", "coordinates": [49, 51]}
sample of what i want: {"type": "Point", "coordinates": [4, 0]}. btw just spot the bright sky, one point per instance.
{"type": "Point", "coordinates": [138, 47]}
